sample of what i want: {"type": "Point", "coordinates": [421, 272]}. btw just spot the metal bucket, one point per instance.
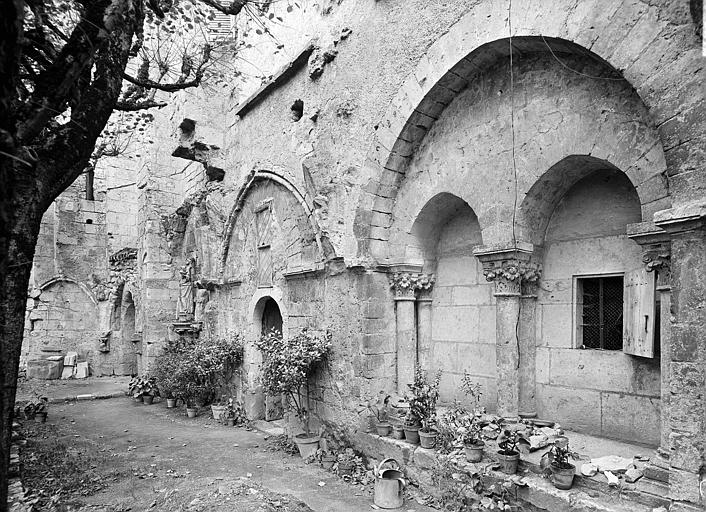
{"type": "Point", "coordinates": [389, 485]}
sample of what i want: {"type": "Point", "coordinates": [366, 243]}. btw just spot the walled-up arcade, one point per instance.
{"type": "Point", "coordinates": [514, 190]}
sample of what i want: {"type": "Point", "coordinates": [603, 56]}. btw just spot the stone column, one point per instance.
{"type": "Point", "coordinates": [527, 337]}
{"type": "Point", "coordinates": [424, 303]}
{"type": "Point", "coordinates": [686, 226]}
{"type": "Point", "coordinates": [405, 286]}
{"type": "Point", "coordinates": [508, 269]}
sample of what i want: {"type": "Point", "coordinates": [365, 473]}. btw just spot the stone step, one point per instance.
{"type": "Point", "coordinates": [656, 473]}
{"type": "Point", "coordinates": [654, 487]}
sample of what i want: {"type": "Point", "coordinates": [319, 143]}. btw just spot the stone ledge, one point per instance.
{"type": "Point", "coordinates": [587, 495]}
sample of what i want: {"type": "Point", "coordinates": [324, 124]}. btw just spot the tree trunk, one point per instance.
{"type": "Point", "coordinates": [23, 230]}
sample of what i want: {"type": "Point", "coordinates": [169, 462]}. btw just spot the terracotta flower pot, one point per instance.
{"type": "Point", "coordinates": [327, 462]}
{"type": "Point", "coordinates": [192, 412]}
{"type": "Point", "coordinates": [411, 434]}
{"type": "Point", "coordinates": [427, 439]}
{"type": "Point", "coordinates": [171, 403]}
{"type": "Point", "coordinates": [383, 429]}
{"type": "Point", "coordinates": [474, 452]}
{"type": "Point", "coordinates": [508, 463]}
{"type": "Point", "coordinates": [148, 399]}
{"type": "Point", "coordinates": [307, 444]}
{"type": "Point", "coordinates": [217, 411]}
{"type": "Point", "coordinates": [346, 468]}
{"type": "Point", "coordinates": [230, 422]}
{"type": "Point", "coordinates": [563, 478]}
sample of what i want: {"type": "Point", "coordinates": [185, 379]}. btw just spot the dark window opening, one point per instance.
{"type": "Point", "coordinates": [90, 177]}
{"type": "Point", "coordinates": [89, 221]}
{"type": "Point", "coordinates": [601, 312]}
{"type": "Point", "coordinates": [297, 110]}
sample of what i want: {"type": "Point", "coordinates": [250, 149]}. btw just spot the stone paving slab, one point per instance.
{"type": "Point", "coordinates": [58, 391]}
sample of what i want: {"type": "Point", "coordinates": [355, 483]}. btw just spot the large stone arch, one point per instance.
{"type": "Point", "coordinates": [243, 210]}
{"type": "Point", "coordinates": [481, 37]}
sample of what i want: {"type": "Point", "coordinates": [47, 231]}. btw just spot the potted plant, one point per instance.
{"type": "Point", "coordinates": [508, 455]}
{"type": "Point", "coordinates": [557, 458]}
{"type": "Point", "coordinates": [422, 408]}
{"type": "Point", "coordinates": [135, 388]}
{"type": "Point", "coordinates": [149, 390]}
{"type": "Point", "coordinates": [234, 413]}
{"type": "Point", "coordinates": [471, 438]}
{"type": "Point", "coordinates": [381, 412]}
{"type": "Point", "coordinates": [287, 368]}
{"type": "Point", "coordinates": [163, 371]}
{"type": "Point", "coordinates": [327, 459]}
{"type": "Point", "coordinates": [37, 409]}
{"type": "Point", "coordinates": [346, 462]}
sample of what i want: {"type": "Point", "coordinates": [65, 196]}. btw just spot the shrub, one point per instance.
{"type": "Point", "coordinates": [197, 371]}
{"type": "Point", "coordinates": [288, 364]}
{"type": "Point", "coordinates": [422, 404]}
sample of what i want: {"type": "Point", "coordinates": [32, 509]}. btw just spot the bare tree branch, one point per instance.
{"type": "Point", "coordinates": [127, 106]}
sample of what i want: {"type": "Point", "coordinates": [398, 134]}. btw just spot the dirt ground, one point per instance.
{"type": "Point", "coordinates": [131, 456]}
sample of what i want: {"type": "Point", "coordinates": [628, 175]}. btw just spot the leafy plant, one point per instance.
{"type": "Point", "coordinates": [164, 370]}
{"type": "Point", "coordinates": [143, 386]}
{"type": "Point", "coordinates": [197, 371]}
{"type": "Point", "coordinates": [422, 403]}
{"type": "Point", "coordinates": [235, 411]}
{"type": "Point", "coordinates": [507, 442]}
{"type": "Point", "coordinates": [559, 454]}
{"type": "Point", "coordinates": [288, 364]}
{"type": "Point", "coordinates": [38, 405]}
{"type": "Point", "coordinates": [381, 408]}
{"type": "Point", "coordinates": [473, 391]}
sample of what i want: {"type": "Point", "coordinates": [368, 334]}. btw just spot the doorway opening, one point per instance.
{"type": "Point", "coordinates": [271, 317]}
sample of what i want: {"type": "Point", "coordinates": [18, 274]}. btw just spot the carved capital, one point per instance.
{"type": "Point", "coordinates": [658, 257]}
{"type": "Point", "coordinates": [511, 276]}
{"type": "Point", "coordinates": [405, 284]}
{"type": "Point", "coordinates": [656, 250]}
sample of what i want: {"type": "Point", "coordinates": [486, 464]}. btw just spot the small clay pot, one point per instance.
{"type": "Point", "coordinates": [411, 434]}
{"type": "Point", "coordinates": [397, 432]}
{"type": "Point", "coordinates": [345, 468]}
{"type": "Point", "coordinates": [307, 444]}
{"type": "Point", "coordinates": [474, 452]}
{"type": "Point", "coordinates": [563, 478]}
{"type": "Point", "coordinates": [328, 461]}
{"type": "Point", "coordinates": [230, 422]}
{"type": "Point", "coordinates": [383, 429]}
{"type": "Point", "coordinates": [148, 399]}
{"type": "Point", "coordinates": [508, 463]}
{"type": "Point", "coordinates": [171, 403]}
{"type": "Point", "coordinates": [427, 439]}
{"type": "Point", "coordinates": [192, 412]}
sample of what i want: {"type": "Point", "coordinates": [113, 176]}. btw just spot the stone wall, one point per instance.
{"type": "Point", "coordinates": [431, 149]}
{"type": "Point", "coordinates": [73, 286]}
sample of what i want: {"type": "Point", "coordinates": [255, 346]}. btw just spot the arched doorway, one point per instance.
{"type": "Point", "coordinates": [271, 316]}
{"type": "Point", "coordinates": [130, 351]}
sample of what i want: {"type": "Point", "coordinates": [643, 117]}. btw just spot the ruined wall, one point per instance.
{"type": "Point", "coordinates": [70, 299]}
{"type": "Point", "coordinates": [416, 102]}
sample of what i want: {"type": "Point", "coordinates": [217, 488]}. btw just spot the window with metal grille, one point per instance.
{"type": "Point", "coordinates": [600, 312]}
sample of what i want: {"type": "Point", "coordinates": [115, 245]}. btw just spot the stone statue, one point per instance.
{"type": "Point", "coordinates": [203, 295]}
{"type": "Point", "coordinates": [104, 342]}
{"type": "Point", "coordinates": [185, 306]}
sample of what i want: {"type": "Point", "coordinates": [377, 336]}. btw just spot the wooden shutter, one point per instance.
{"type": "Point", "coordinates": [639, 313]}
